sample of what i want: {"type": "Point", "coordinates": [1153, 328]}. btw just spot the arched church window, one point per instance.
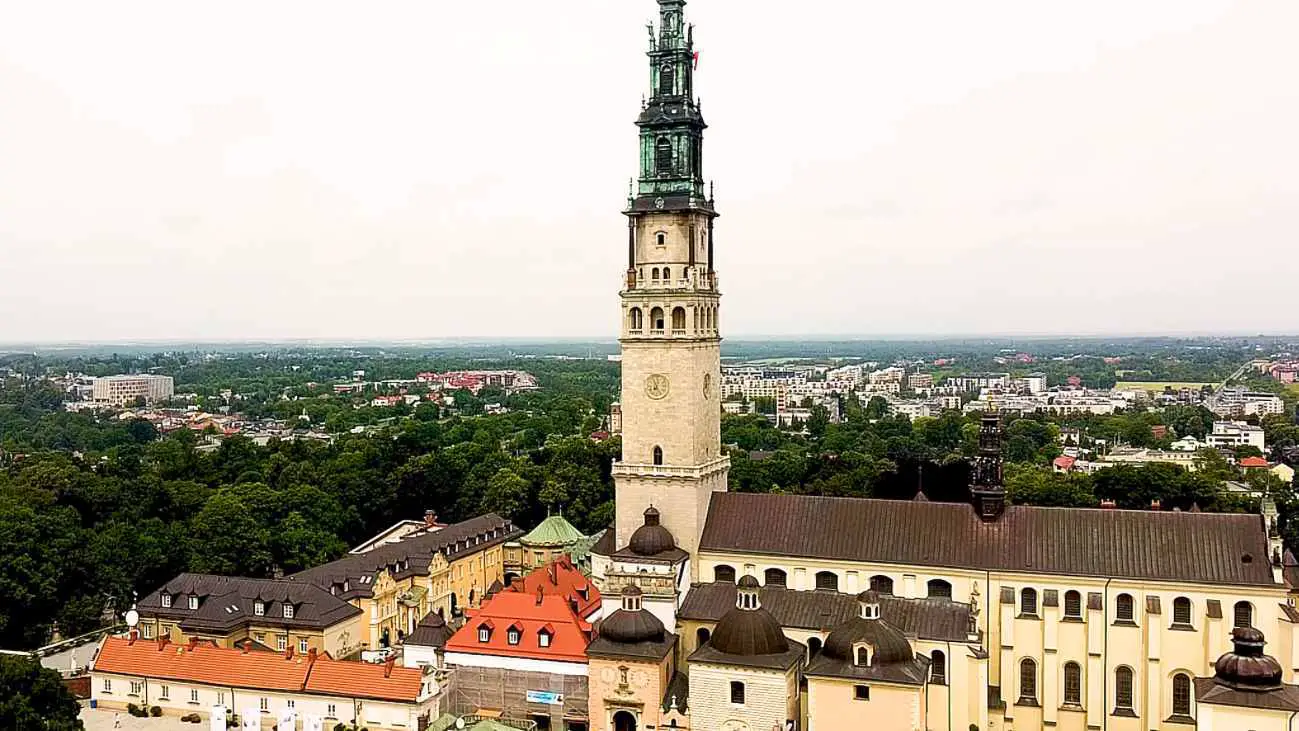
{"type": "Point", "coordinates": [663, 155]}
{"type": "Point", "coordinates": [701, 636]}
{"type": "Point", "coordinates": [773, 577]}
{"type": "Point", "coordinates": [658, 455]}
{"type": "Point", "coordinates": [813, 647]}
{"type": "Point", "coordinates": [724, 573]}
{"type": "Point", "coordinates": [938, 668]}
{"type": "Point", "coordinates": [881, 584]}
{"type": "Point", "coordinates": [667, 273]}
{"type": "Point", "coordinates": [656, 319]}
{"type": "Point", "coordinates": [661, 239]}
{"type": "Point", "coordinates": [863, 657]}
{"type": "Point", "coordinates": [939, 589]}
{"type": "Point", "coordinates": [637, 320]}
{"type": "Point", "coordinates": [667, 80]}
{"type": "Point", "coordinates": [827, 580]}
{"type": "Point", "coordinates": [654, 274]}
{"type": "Point", "coordinates": [678, 318]}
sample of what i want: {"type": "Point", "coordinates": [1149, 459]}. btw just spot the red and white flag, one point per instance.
{"type": "Point", "coordinates": [696, 59]}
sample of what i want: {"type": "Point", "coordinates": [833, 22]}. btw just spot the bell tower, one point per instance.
{"type": "Point", "coordinates": [671, 343]}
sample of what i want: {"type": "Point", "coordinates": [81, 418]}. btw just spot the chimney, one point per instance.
{"type": "Point", "coordinates": [516, 584]}
{"type": "Point", "coordinates": [311, 655]}
{"type": "Point", "coordinates": [554, 574]}
{"type": "Point", "coordinates": [1155, 505]}
{"type": "Point", "coordinates": [387, 667]}
{"type": "Point", "coordinates": [540, 595]}
{"type": "Point", "coordinates": [430, 518]}
{"type": "Point", "coordinates": [132, 636]}
{"type": "Point", "coordinates": [193, 644]}
{"type": "Point", "coordinates": [1108, 504]}
{"type": "Point", "coordinates": [162, 643]}
{"type": "Point", "coordinates": [288, 652]}
{"type": "Point", "coordinates": [243, 647]}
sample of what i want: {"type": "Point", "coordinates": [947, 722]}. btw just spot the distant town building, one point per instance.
{"type": "Point", "coordinates": [127, 390]}
{"type": "Point", "coordinates": [1230, 434]}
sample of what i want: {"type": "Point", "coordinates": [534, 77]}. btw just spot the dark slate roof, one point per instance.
{"type": "Point", "coordinates": [909, 672]}
{"type": "Point", "coordinates": [432, 631]}
{"type": "Point", "coordinates": [1156, 545]}
{"type": "Point", "coordinates": [648, 650]}
{"type": "Point", "coordinates": [678, 690]}
{"type": "Point", "coordinates": [606, 545]}
{"type": "Point", "coordinates": [409, 556]}
{"type": "Point", "coordinates": [782, 661]}
{"type": "Point", "coordinates": [930, 619]}
{"type": "Point", "coordinates": [1285, 698]}
{"type": "Point", "coordinates": [229, 602]}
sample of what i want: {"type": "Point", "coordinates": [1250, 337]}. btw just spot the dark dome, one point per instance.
{"type": "Point", "coordinates": [1246, 667]}
{"type": "Point", "coordinates": [632, 627]}
{"type": "Point", "coordinates": [651, 539]}
{"type": "Point", "coordinates": [890, 644]}
{"type": "Point", "coordinates": [748, 629]}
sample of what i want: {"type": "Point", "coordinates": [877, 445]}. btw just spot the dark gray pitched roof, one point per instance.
{"type": "Point", "coordinates": [409, 556]}
{"type": "Point", "coordinates": [780, 661]}
{"type": "Point", "coordinates": [228, 602]}
{"type": "Point", "coordinates": [647, 650]}
{"type": "Point", "coordinates": [930, 619]}
{"type": "Point", "coordinates": [432, 631]}
{"type": "Point", "coordinates": [909, 672]}
{"type": "Point", "coordinates": [1285, 698]}
{"type": "Point", "coordinates": [1167, 546]}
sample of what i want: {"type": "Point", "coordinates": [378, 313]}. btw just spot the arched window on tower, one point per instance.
{"type": "Point", "coordinates": [701, 636]}
{"type": "Point", "coordinates": [654, 274]}
{"type": "Point", "coordinates": [679, 320]}
{"type": "Point", "coordinates": [939, 589]}
{"type": "Point", "coordinates": [881, 584]}
{"type": "Point", "coordinates": [656, 319]}
{"type": "Point", "coordinates": [724, 574]}
{"type": "Point", "coordinates": [938, 668]}
{"type": "Point", "coordinates": [1182, 695]}
{"type": "Point", "coordinates": [773, 577]}
{"type": "Point", "coordinates": [667, 274]}
{"type": "Point", "coordinates": [1243, 614]}
{"type": "Point", "coordinates": [663, 155]}
{"type": "Point", "coordinates": [667, 80]}
{"type": "Point", "coordinates": [636, 320]}
{"type": "Point", "coordinates": [827, 580]}
{"type": "Point", "coordinates": [658, 455]}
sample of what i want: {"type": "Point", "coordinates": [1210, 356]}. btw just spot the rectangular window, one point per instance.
{"type": "Point", "coordinates": [544, 639]}
{"type": "Point", "coordinates": [193, 602]}
{"type": "Point", "coordinates": [146, 631]}
{"type": "Point", "coordinates": [288, 611]}
{"type": "Point", "coordinates": [137, 687]}
{"type": "Point", "coordinates": [484, 634]}
{"type": "Point", "coordinates": [265, 704]}
{"type": "Point", "coordinates": [861, 692]}
{"type": "Point", "coordinates": [302, 644]}
{"type": "Point", "coordinates": [260, 637]}
{"type": "Point", "coordinates": [513, 636]}
{"type": "Point", "coordinates": [737, 693]}
{"type": "Point", "coordinates": [281, 643]}
{"type": "Point", "coordinates": [165, 694]}
{"type": "Point", "coordinates": [221, 698]}
{"type": "Point", "coordinates": [289, 703]}
{"type": "Point", "coordinates": [259, 609]}
{"type": "Point", "coordinates": [330, 711]}
{"type": "Point", "coordinates": [166, 600]}
{"type": "Point", "coordinates": [193, 695]}
{"type": "Point", "coordinates": [108, 685]}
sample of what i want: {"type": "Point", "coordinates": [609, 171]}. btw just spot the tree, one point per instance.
{"type": "Point", "coordinates": [33, 697]}
{"type": "Point", "coordinates": [506, 494]}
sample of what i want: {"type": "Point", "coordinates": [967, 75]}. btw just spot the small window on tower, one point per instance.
{"type": "Point", "coordinates": [658, 455]}
{"type": "Point", "coordinates": [663, 155]}
{"type": "Point", "coordinates": [667, 80]}
{"type": "Point", "coordinates": [661, 239]}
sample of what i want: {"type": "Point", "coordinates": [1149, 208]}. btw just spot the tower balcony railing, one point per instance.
{"type": "Point", "coordinates": [678, 331]}
{"type": "Point", "coordinates": [662, 470]}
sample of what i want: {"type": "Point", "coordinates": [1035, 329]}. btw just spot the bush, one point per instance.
{"type": "Point", "coordinates": [155, 711]}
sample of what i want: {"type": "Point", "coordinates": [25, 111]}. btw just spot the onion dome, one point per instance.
{"type": "Point", "coordinates": [651, 539]}
{"type": "Point", "coordinates": [748, 629]}
{"type": "Point", "coordinates": [887, 643]}
{"type": "Point", "coordinates": [1246, 667]}
{"type": "Point", "coordinates": [633, 623]}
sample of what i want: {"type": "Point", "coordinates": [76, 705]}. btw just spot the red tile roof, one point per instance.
{"type": "Point", "coordinates": [1254, 462]}
{"type": "Point", "coordinates": [208, 664]}
{"type": "Point", "coordinates": [1064, 463]}
{"type": "Point", "coordinates": [530, 613]}
{"type": "Point", "coordinates": [561, 578]}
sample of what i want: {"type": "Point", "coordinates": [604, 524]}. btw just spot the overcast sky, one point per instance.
{"type": "Point", "coordinates": [426, 169]}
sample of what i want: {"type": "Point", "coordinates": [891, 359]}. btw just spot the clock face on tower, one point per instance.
{"type": "Point", "coordinates": [656, 386]}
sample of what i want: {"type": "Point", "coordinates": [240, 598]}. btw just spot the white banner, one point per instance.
{"type": "Point", "coordinates": [218, 718]}
{"type": "Point", "coordinates": [251, 719]}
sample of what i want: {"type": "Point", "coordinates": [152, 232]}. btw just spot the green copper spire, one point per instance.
{"type": "Point", "coordinates": [671, 125]}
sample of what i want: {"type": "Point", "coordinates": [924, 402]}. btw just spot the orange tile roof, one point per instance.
{"type": "Point", "coordinates": [529, 613]}
{"type": "Point", "coordinates": [1254, 462]}
{"type": "Point", "coordinates": [208, 664]}
{"type": "Point", "coordinates": [364, 680]}
{"type": "Point", "coordinates": [561, 578]}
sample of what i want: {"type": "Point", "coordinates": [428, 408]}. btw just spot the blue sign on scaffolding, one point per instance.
{"type": "Point", "coordinates": [544, 696]}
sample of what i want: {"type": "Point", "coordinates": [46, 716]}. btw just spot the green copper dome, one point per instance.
{"type": "Point", "coordinates": [553, 531]}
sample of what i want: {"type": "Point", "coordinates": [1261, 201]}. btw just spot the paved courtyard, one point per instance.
{"type": "Point", "coordinates": [102, 720]}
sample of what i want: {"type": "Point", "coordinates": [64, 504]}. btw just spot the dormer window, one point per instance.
{"type": "Point", "coordinates": [484, 634]}
{"type": "Point", "coordinates": [864, 655]}
{"type": "Point", "coordinates": [193, 602]}
{"type": "Point", "coordinates": [543, 638]}
{"type": "Point", "coordinates": [259, 609]}
{"type": "Point", "coordinates": [288, 611]}
{"type": "Point", "coordinates": [166, 600]}
{"type": "Point", "coordinates": [513, 635]}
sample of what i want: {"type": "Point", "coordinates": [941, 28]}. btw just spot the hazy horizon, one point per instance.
{"type": "Point", "coordinates": [411, 172]}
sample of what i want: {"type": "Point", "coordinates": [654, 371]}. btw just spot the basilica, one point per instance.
{"type": "Point", "coordinates": [736, 612]}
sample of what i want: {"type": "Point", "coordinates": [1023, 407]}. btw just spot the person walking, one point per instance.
{"type": "Point", "coordinates": [117, 720]}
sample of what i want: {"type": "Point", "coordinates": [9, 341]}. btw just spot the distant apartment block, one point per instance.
{"type": "Point", "coordinates": [1237, 402]}
{"type": "Point", "coordinates": [1235, 434]}
{"type": "Point", "coordinates": [979, 381]}
{"type": "Point", "coordinates": [920, 380]}
{"type": "Point", "coordinates": [124, 390]}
